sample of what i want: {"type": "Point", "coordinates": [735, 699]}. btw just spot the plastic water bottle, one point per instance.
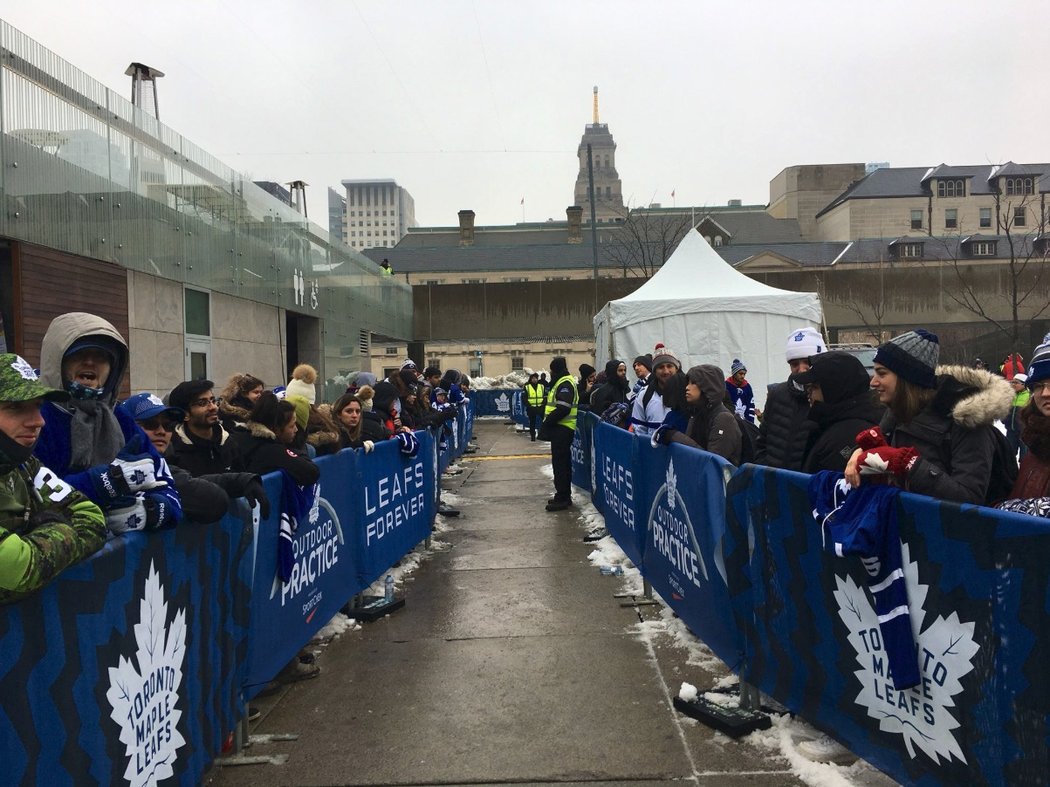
{"type": "Point", "coordinates": [388, 588]}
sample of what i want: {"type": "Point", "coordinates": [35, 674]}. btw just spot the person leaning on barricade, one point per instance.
{"type": "Point", "coordinates": [937, 436]}
{"type": "Point", "coordinates": [238, 398]}
{"type": "Point", "coordinates": [359, 425]}
{"type": "Point", "coordinates": [103, 454]}
{"type": "Point", "coordinates": [613, 391]}
{"type": "Point", "coordinates": [649, 408]}
{"type": "Point", "coordinates": [841, 406]}
{"type": "Point", "coordinates": [205, 498]}
{"type": "Point", "coordinates": [784, 432]}
{"type": "Point", "coordinates": [45, 524]}
{"type": "Point", "coordinates": [269, 443]}
{"type": "Point", "coordinates": [201, 444]}
{"type": "Point", "coordinates": [709, 424]}
{"type": "Point", "coordinates": [1031, 491]}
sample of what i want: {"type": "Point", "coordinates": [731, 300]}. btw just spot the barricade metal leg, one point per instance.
{"type": "Point", "coordinates": [646, 600]}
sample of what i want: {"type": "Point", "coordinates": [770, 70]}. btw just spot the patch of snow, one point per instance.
{"type": "Point", "coordinates": [687, 693]}
{"type": "Point", "coordinates": [336, 627]}
{"type": "Point", "coordinates": [450, 498]}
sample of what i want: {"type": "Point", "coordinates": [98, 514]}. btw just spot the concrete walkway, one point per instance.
{"type": "Point", "coordinates": [511, 662]}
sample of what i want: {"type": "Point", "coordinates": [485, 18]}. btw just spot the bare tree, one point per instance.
{"type": "Point", "coordinates": [866, 298]}
{"type": "Point", "coordinates": [1021, 245]}
{"type": "Point", "coordinates": [643, 240]}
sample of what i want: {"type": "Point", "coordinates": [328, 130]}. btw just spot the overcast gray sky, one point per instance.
{"type": "Point", "coordinates": [472, 104]}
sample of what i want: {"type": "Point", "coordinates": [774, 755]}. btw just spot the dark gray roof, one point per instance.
{"type": "Point", "coordinates": [438, 259]}
{"type": "Point", "coordinates": [752, 227]}
{"type": "Point", "coordinates": [909, 181]}
{"type": "Point", "coordinates": [812, 254]}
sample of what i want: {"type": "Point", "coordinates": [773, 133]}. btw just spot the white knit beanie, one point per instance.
{"type": "Point", "coordinates": [803, 343]}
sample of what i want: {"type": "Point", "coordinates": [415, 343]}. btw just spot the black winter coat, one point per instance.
{"type": "Point", "coordinates": [262, 454]}
{"type": "Point", "coordinates": [952, 434]}
{"type": "Point", "coordinates": [784, 432]}
{"type": "Point", "coordinates": [835, 428]}
{"type": "Point", "coordinates": [199, 457]}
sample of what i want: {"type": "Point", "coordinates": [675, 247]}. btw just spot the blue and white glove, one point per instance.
{"type": "Point", "coordinates": [368, 445]}
{"type": "Point", "coordinates": [125, 477]}
{"type": "Point", "coordinates": [661, 436]}
{"type": "Point", "coordinates": [142, 512]}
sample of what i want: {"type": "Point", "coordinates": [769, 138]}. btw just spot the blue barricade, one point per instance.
{"type": "Point", "coordinates": [517, 409]}
{"type": "Point", "coordinates": [129, 666]}
{"type": "Point", "coordinates": [493, 401]}
{"type": "Point", "coordinates": [581, 452]}
{"type": "Point", "coordinates": [980, 609]}
{"type": "Point", "coordinates": [746, 570]}
{"type": "Point", "coordinates": [327, 570]}
{"type": "Point", "coordinates": [683, 523]}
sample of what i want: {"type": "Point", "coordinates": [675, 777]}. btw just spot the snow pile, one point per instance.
{"type": "Point", "coordinates": [687, 693]}
{"type": "Point", "coordinates": [512, 380]}
{"type": "Point", "coordinates": [336, 627]}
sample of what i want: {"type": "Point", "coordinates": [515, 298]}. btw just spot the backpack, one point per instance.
{"type": "Point", "coordinates": [748, 439]}
{"type": "Point", "coordinates": [1004, 466]}
{"type": "Point", "coordinates": [616, 414]}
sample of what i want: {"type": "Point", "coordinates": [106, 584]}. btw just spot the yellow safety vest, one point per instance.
{"type": "Point", "coordinates": [569, 420]}
{"type": "Point", "coordinates": [534, 395]}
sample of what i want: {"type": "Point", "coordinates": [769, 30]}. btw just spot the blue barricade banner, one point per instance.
{"type": "Point", "coordinates": [623, 501]}
{"type": "Point", "coordinates": [326, 572]}
{"type": "Point", "coordinates": [581, 451]}
{"type": "Point", "coordinates": [493, 401]}
{"type": "Point", "coordinates": [682, 516]}
{"type": "Point", "coordinates": [977, 584]}
{"type": "Point", "coordinates": [128, 667]}
{"type": "Point", "coordinates": [394, 498]}
{"type": "Point", "coordinates": [517, 409]}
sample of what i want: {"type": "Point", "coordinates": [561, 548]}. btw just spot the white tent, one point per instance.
{"type": "Point", "coordinates": [706, 311]}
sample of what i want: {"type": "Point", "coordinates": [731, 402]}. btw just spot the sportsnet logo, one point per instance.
{"type": "Point", "coordinates": [945, 650]}
{"type": "Point", "coordinates": [674, 538]}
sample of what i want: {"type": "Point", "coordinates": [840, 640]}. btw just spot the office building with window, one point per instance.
{"type": "Point", "coordinates": [378, 213]}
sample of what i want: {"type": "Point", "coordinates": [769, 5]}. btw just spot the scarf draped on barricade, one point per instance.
{"type": "Point", "coordinates": [745, 567]}
{"type": "Point", "coordinates": [134, 665]}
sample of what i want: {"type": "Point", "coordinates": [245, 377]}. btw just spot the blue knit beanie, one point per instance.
{"type": "Point", "coordinates": [912, 356]}
{"type": "Point", "coordinates": [1039, 368]}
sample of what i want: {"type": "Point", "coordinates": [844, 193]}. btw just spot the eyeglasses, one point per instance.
{"type": "Point", "coordinates": [202, 402]}
{"type": "Point", "coordinates": [158, 422]}
{"type": "Point", "coordinates": [1040, 386]}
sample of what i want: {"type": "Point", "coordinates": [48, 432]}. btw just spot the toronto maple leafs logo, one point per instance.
{"type": "Point", "coordinates": [945, 650]}
{"type": "Point", "coordinates": [798, 336]}
{"type": "Point", "coordinates": [23, 368]}
{"type": "Point", "coordinates": [145, 698]}
{"type": "Point", "coordinates": [137, 477]}
{"type": "Point", "coordinates": [503, 403]}
{"type": "Point", "coordinates": [671, 486]}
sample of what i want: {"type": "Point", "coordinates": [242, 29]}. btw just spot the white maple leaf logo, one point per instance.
{"type": "Point", "coordinates": [23, 368]}
{"type": "Point", "coordinates": [945, 651]}
{"type": "Point", "coordinates": [502, 403]}
{"type": "Point", "coordinates": [145, 699]}
{"type": "Point", "coordinates": [672, 486]}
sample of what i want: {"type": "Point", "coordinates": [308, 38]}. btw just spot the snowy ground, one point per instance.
{"type": "Point", "coordinates": [787, 731]}
{"type": "Point", "coordinates": [780, 741]}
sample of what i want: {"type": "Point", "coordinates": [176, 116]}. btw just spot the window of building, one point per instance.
{"type": "Point", "coordinates": [986, 218]}
{"type": "Point", "coordinates": [608, 191]}
{"type": "Point", "coordinates": [555, 278]}
{"type": "Point", "coordinates": [475, 367]}
{"type": "Point", "coordinates": [983, 248]}
{"type": "Point", "coordinates": [434, 362]}
{"type": "Point", "coordinates": [517, 364]}
{"type": "Point", "coordinates": [718, 240]}
{"type": "Point", "coordinates": [1019, 186]}
{"type": "Point", "coordinates": [391, 351]}
{"type": "Point", "coordinates": [433, 281]}
{"type": "Point", "coordinates": [909, 251]}
{"type": "Point", "coordinates": [515, 279]}
{"type": "Point", "coordinates": [916, 219]}
{"type": "Point", "coordinates": [473, 281]}
{"type": "Point", "coordinates": [951, 188]}
{"type": "Point", "coordinates": [1020, 217]}
{"type": "Point", "coordinates": [951, 218]}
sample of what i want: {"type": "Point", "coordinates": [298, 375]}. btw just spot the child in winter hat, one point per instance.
{"type": "Point", "coordinates": [803, 343]}
{"type": "Point", "coordinates": [912, 356]}
{"type": "Point", "coordinates": [662, 354]}
{"type": "Point", "coordinates": [302, 383]}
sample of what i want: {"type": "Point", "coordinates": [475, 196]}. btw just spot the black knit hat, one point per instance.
{"type": "Point", "coordinates": [912, 356]}
{"type": "Point", "coordinates": [645, 360]}
{"type": "Point", "coordinates": [184, 393]}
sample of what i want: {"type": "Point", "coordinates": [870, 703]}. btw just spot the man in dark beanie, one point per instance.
{"type": "Point", "coordinates": [936, 438]}
{"type": "Point", "coordinates": [643, 367]}
{"type": "Point", "coordinates": [200, 445]}
{"type": "Point", "coordinates": [559, 426]}
{"type": "Point", "coordinates": [588, 375]}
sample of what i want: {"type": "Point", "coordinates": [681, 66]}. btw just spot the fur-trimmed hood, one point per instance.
{"type": "Point", "coordinates": [258, 430]}
{"type": "Point", "coordinates": [971, 397]}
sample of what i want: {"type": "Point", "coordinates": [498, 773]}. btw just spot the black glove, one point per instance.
{"type": "Point", "coordinates": [254, 492]}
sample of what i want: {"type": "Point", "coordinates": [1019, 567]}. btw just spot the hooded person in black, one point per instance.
{"type": "Point", "coordinates": [841, 406]}
{"type": "Point", "coordinates": [614, 390]}
{"type": "Point", "coordinates": [711, 426]}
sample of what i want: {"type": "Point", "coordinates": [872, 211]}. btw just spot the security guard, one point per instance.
{"type": "Point", "coordinates": [559, 426]}
{"type": "Point", "coordinates": [534, 400]}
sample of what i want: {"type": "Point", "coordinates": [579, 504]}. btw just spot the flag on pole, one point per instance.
{"type": "Point", "coordinates": [522, 200]}
{"type": "Point", "coordinates": [672, 193]}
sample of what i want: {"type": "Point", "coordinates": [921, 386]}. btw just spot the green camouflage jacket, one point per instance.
{"type": "Point", "coordinates": [45, 526]}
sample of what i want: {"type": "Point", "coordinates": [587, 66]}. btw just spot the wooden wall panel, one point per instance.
{"type": "Point", "coordinates": [49, 283]}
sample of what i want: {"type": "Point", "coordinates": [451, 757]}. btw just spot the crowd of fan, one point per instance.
{"type": "Point", "coordinates": [78, 466]}
{"type": "Point", "coordinates": [952, 432]}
